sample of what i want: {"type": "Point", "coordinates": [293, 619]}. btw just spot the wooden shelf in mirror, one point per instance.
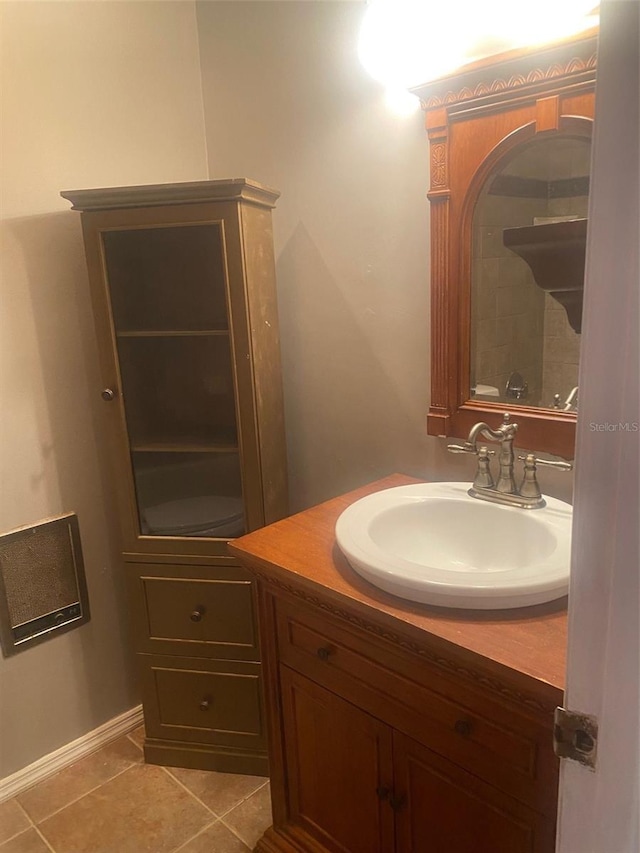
{"type": "Point", "coordinates": [477, 120]}
{"type": "Point", "coordinates": [555, 251]}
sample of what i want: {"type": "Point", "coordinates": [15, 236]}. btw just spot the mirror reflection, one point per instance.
{"type": "Point", "coordinates": [523, 347]}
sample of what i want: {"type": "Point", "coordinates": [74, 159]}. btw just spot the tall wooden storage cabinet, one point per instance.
{"type": "Point", "coordinates": [183, 287]}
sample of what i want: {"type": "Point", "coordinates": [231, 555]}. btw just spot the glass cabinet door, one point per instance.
{"type": "Point", "coordinates": [168, 292]}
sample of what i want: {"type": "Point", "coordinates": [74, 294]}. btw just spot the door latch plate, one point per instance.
{"type": "Point", "coordinates": [575, 736]}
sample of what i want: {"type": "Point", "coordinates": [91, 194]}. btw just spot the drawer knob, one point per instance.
{"type": "Point", "coordinates": [323, 653]}
{"type": "Point", "coordinates": [383, 793]}
{"type": "Point", "coordinates": [463, 727]}
{"type": "Point", "coordinates": [197, 614]}
{"type": "Point", "coordinates": [108, 395]}
{"type": "Point", "coordinates": [205, 704]}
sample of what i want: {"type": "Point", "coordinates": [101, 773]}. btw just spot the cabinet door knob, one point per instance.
{"type": "Point", "coordinates": [397, 803]}
{"type": "Point", "coordinates": [205, 704]}
{"type": "Point", "coordinates": [108, 395]}
{"type": "Point", "coordinates": [323, 653]}
{"type": "Point", "coordinates": [463, 727]}
{"type": "Point", "coordinates": [197, 614]}
{"type": "Point", "coordinates": [382, 793]}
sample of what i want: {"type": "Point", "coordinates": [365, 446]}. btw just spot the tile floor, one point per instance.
{"type": "Point", "coordinates": [112, 802]}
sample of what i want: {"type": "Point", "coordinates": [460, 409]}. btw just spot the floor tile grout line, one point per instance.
{"type": "Point", "coordinates": [23, 831]}
{"type": "Point", "coordinates": [20, 831]}
{"type": "Point", "coordinates": [217, 814]}
{"type": "Point", "coordinates": [244, 799]}
{"type": "Point", "coordinates": [23, 810]}
{"type": "Point", "coordinates": [13, 837]}
{"type": "Point", "coordinates": [216, 818]}
{"type": "Point", "coordinates": [53, 777]}
{"type": "Point", "coordinates": [46, 840]}
{"type": "Point", "coordinates": [82, 796]}
{"type": "Point", "coordinates": [193, 837]}
{"type": "Point", "coordinates": [167, 770]}
{"type": "Point", "coordinates": [235, 832]}
{"type": "Point", "coordinates": [134, 742]}
{"type": "Point", "coordinates": [230, 828]}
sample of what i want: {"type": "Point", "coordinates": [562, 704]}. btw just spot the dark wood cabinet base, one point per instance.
{"type": "Point", "coordinates": [289, 840]}
{"type": "Point", "coordinates": [205, 757]}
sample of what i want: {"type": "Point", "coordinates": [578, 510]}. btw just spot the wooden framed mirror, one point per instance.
{"type": "Point", "coordinates": [509, 145]}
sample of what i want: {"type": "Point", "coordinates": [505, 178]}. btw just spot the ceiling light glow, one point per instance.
{"type": "Point", "coordinates": [400, 101]}
{"type": "Point", "coordinates": [406, 42]}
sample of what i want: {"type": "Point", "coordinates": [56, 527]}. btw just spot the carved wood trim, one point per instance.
{"type": "Point", "coordinates": [476, 677]}
{"type": "Point", "coordinates": [439, 165]}
{"type": "Point", "coordinates": [573, 66]}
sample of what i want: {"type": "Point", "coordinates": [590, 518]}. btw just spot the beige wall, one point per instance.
{"type": "Point", "coordinates": [287, 103]}
{"type": "Point", "coordinates": [95, 94]}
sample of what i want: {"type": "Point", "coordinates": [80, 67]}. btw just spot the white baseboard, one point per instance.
{"type": "Point", "coordinates": [55, 761]}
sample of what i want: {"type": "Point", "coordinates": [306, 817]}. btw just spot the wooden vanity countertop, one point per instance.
{"type": "Point", "coordinates": [300, 553]}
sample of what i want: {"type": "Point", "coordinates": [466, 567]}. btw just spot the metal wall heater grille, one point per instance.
{"type": "Point", "coordinates": [42, 583]}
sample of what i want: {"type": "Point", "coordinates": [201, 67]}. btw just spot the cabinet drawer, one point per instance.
{"type": "Point", "coordinates": [208, 616]}
{"type": "Point", "coordinates": [494, 742]}
{"type": "Point", "coordinates": [208, 702]}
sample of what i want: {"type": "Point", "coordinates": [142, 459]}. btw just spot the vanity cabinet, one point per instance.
{"type": "Point", "coordinates": [396, 727]}
{"type": "Point", "coordinates": [183, 287]}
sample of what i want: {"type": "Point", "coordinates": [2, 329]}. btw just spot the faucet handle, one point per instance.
{"type": "Point", "coordinates": [467, 447]}
{"type": "Point", "coordinates": [530, 488]}
{"type": "Point", "coordinates": [561, 466]}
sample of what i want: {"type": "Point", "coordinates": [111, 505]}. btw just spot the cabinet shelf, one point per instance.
{"type": "Point", "coordinates": [168, 447]}
{"type": "Point", "coordinates": [174, 333]}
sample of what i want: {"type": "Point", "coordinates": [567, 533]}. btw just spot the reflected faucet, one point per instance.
{"type": "Point", "coordinates": [516, 386]}
{"type": "Point", "coordinates": [572, 400]}
{"type": "Point", "coordinates": [570, 404]}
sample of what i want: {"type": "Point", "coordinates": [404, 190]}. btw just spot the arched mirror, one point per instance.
{"type": "Point", "coordinates": [510, 152]}
{"type": "Point", "coordinates": [525, 335]}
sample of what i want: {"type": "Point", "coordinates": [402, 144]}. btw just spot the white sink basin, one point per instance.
{"type": "Point", "coordinates": [433, 543]}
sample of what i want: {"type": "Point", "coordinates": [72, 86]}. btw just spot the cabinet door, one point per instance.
{"type": "Point", "coordinates": [444, 809]}
{"type": "Point", "coordinates": [167, 290]}
{"type": "Point", "coordinates": [338, 768]}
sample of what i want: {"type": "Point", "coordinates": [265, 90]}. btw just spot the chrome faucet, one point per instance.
{"type": "Point", "coordinates": [505, 491]}
{"type": "Point", "coordinates": [570, 404]}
